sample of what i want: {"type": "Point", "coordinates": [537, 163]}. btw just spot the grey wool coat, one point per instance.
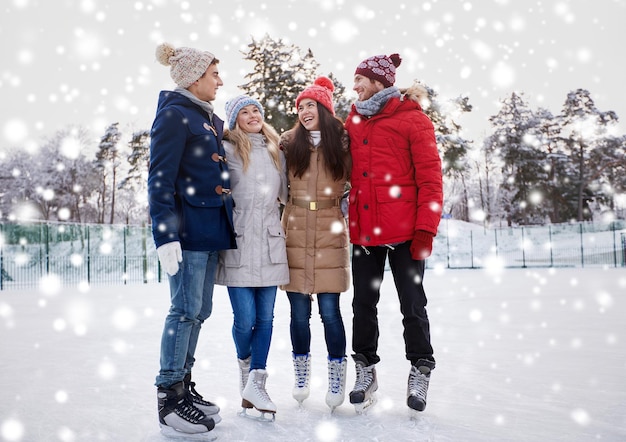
{"type": "Point", "coordinates": [260, 259]}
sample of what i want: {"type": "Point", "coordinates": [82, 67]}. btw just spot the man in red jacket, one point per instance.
{"type": "Point", "coordinates": [395, 208]}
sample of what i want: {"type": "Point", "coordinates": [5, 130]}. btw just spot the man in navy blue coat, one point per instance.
{"type": "Point", "coordinates": [191, 211]}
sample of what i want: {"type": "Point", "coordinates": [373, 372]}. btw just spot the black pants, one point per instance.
{"type": "Point", "coordinates": [368, 267]}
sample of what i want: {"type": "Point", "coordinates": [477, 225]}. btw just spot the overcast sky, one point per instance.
{"type": "Point", "coordinates": [92, 62]}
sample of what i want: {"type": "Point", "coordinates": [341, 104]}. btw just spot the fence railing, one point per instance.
{"type": "Point", "coordinates": [42, 255]}
{"type": "Point", "coordinates": [462, 245]}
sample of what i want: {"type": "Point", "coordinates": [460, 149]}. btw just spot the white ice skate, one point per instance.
{"type": "Point", "coordinates": [244, 372]}
{"type": "Point", "coordinates": [336, 383]}
{"type": "Point", "coordinates": [302, 374]}
{"type": "Point", "coordinates": [255, 396]}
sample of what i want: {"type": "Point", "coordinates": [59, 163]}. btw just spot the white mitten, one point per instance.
{"type": "Point", "coordinates": [170, 254]}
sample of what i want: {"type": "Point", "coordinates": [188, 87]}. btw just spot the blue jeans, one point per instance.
{"type": "Point", "coordinates": [253, 311]}
{"type": "Point", "coordinates": [191, 292]}
{"type": "Point", "coordinates": [300, 328]}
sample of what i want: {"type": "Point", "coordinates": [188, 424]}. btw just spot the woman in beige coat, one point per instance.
{"type": "Point", "coordinates": [318, 164]}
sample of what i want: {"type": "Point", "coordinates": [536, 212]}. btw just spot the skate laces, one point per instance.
{"type": "Point", "coordinates": [301, 369]}
{"type": "Point", "coordinates": [196, 397]}
{"type": "Point", "coordinates": [259, 387]}
{"type": "Point", "coordinates": [335, 371]}
{"type": "Point", "coordinates": [188, 411]}
{"type": "Point", "coordinates": [364, 377]}
{"type": "Point", "coordinates": [418, 383]}
{"type": "Point", "coordinates": [193, 392]}
{"type": "Point", "coordinates": [244, 371]}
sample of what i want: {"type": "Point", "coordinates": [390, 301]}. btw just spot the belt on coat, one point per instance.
{"type": "Point", "coordinates": [315, 205]}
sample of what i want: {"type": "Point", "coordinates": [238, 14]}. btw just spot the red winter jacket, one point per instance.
{"type": "Point", "coordinates": [396, 174]}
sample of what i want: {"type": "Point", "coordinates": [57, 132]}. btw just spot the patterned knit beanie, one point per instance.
{"type": "Point", "coordinates": [381, 68]}
{"type": "Point", "coordinates": [236, 104]}
{"type": "Point", "coordinates": [321, 91]}
{"type": "Point", "coordinates": [187, 64]}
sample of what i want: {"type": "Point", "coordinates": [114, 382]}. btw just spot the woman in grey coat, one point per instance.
{"type": "Point", "coordinates": [258, 265]}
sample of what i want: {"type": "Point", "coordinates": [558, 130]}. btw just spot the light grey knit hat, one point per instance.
{"type": "Point", "coordinates": [187, 64]}
{"type": "Point", "coordinates": [234, 105]}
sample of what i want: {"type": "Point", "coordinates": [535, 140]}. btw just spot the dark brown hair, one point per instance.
{"type": "Point", "coordinates": [336, 156]}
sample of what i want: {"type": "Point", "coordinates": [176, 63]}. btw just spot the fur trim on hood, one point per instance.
{"type": "Point", "coordinates": [418, 93]}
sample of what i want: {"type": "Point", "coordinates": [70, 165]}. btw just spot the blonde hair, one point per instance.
{"type": "Point", "coordinates": [243, 146]}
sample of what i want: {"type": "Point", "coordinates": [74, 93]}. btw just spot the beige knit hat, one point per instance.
{"type": "Point", "coordinates": [187, 64]}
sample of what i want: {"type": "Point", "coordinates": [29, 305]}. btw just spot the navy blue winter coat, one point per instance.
{"type": "Point", "coordinates": [188, 183]}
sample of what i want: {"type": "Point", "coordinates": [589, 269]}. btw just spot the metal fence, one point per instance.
{"type": "Point", "coordinates": [48, 254]}
{"type": "Point", "coordinates": [462, 245]}
{"type": "Point", "coordinates": [45, 255]}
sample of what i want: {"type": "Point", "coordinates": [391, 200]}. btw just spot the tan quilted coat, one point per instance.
{"type": "Point", "coordinates": [317, 240]}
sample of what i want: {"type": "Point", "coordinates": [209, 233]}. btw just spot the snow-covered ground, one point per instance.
{"type": "Point", "coordinates": [522, 355]}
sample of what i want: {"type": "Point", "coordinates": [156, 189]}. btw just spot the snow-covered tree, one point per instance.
{"type": "Point", "coordinates": [74, 179]}
{"type": "Point", "coordinates": [107, 162]}
{"type": "Point", "coordinates": [53, 183]}
{"type": "Point", "coordinates": [524, 173]}
{"type": "Point", "coordinates": [548, 130]}
{"type": "Point", "coordinates": [488, 167]}
{"type": "Point", "coordinates": [279, 74]}
{"type": "Point", "coordinates": [590, 146]}
{"type": "Point", "coordinates": [16, 177]}
{"type": "Point", "coordinates": [134, 185]}
{"type": "Point", "coordinates": [340, 98]}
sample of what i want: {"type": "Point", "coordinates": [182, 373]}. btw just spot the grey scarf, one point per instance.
{"type": "Point", "coordinates": [208, 107]}
{"type": "Point", "coordinates": [375, 103]}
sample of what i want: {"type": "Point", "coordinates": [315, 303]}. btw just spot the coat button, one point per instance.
{"type": "Point", "coordinates": [366, 206]}
{"type": "Point", "coordinates": [365, 174]}
{"type": "Point", "coordinates": [217, 157]}
{"type": "Point", "coordinates": [365, 141]}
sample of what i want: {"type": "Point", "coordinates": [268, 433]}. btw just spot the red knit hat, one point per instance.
{"type": "Point", "coordinates": [381, 68]}
{"type": "Point", "coordinates": [321, 91]}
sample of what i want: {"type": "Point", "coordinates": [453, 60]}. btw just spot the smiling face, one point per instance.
{"type": "Point", "coordinates": [249, 119]}
{"type": "Point", "coordinates": [308, 114]}
{"type": "Point", "coordinates": [366, 88]}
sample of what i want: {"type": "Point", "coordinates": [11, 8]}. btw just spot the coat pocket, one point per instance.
{"type": "Point", "coordinates": [397, 209]}
{"type": "Point", "coordinates": [277, 245]}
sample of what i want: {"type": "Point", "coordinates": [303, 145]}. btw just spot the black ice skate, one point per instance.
{"type": "Point", "coordinates": [417, 386]}
{"type": "Point", "coordinates": [208, 408]}
{"type": "Point", "coordinates": [178, 415]}
{"type": "Point", "coordinates": [362, 395]}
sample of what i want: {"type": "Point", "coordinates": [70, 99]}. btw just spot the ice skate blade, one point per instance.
{"type": "Point", "coordinates": [415, 415]}
{"type": "Point", "coordinates": [365, 406]}
{"type": "Point", "coordinates": [263, 416]}
{"type": "Point", "coordinates": [172, 433]}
